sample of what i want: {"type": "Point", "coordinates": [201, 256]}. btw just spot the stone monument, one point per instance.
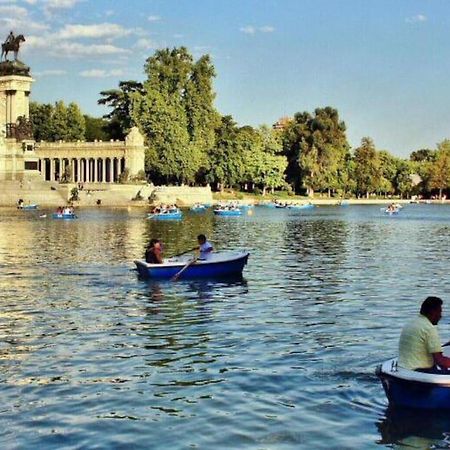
{"type": "Point", "coordinates": [16, 144]}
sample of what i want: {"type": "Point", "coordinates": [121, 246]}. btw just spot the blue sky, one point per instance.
{"type": "Point", "coordinates": [383, 64]}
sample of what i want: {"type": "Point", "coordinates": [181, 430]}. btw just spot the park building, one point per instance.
{"type": "Point", "coordinates": [73, 162]}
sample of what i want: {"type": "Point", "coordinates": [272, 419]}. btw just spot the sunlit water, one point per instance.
{"type": "Point", "coordinates": [92, 357]}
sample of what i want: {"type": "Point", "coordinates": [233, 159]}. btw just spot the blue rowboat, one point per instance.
{"type": "Point", "coordinates": [412, 389]}
{"type": "Point", "coordinates": [175, 214]}
{"type": "Point", "coordinates": [220, 264]}
{"type": "Point", "coordinates": [64, 216]}
{"type": "Point", "coordinates": [28, 207]}
{"type": "Point", "coordinates": [198, 208]}
{"type": "Point", "coordinates": [268, 204]}
{"type": "Point", "coordinates": [228, 212]}
{"type": "Point", "coordinates": [391, 212]}
{"type": "Point", "coordinates": [305, 206]}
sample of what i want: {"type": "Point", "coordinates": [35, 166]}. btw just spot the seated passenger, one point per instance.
{"type": "Point", "coordinates": [420, 347]}
{"type": "Point", "coordinates": [153, 254]}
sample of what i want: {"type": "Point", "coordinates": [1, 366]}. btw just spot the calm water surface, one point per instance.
{"type": "Point", "coordinates": [92, 357]}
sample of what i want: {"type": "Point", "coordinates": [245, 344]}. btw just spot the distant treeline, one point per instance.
{"type": "Point", "coordinates": [189, 141]}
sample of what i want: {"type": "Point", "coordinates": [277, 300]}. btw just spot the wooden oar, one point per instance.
{"type": "Point", "coordinates": [186, 251]}
{"type": "Point", "coordinates": [189, 263]}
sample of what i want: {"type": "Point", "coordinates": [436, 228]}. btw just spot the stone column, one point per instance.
{"type": "Point", "coordinates": [60, 169]}
{"type": "Point", "coordinates": [111, 170]}
{"type": "Point", "coordinates": [88, 169]}
{"type": "Point", "coordinates": [95, 170]}
{"type": "Point", "coordinates": [78, 170]}
{"type": "Point", "coordinates": [52, 169]}
{"type": "Point", "coordinates": [72, 170]}
{"type": "Point", "coordinates": [103, 170]}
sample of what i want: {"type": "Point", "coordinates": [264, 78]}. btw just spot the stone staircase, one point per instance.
{"type": "Point", "coordinates": [34, 190]}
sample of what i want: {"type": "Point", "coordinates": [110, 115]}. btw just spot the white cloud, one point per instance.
{"type": "Point", "coordinates": [56, 48]}
{"type": "Point", "coordinates": [153, 18]}
{"type": "Point", "coordinates": [248, 29]}
{"type": "Point", "coordinates": [419, 18]}
{"type": "Point", "coordinates": [50, 72]}
{"type": "Point", "coordinates": [101, 73]}
{"type": "Point", "coordinates": [100, 30]}
{"type": "Point", "coordinates": [145, 44]}
{"type": "Point", "coordinates": [267, 29]}
{"type": "Point", "coordinates": [13, 10]}
{"type": "Point", "coordinates": [61, 4]}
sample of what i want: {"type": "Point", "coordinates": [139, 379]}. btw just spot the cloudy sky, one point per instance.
{"type": "Point", "coordinates": [384, 64]}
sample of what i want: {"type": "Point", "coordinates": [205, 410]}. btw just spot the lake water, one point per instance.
{"type": "Point", "coordinates": [92, 357]}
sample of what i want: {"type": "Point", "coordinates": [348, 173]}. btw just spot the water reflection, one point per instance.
{"type": "Point", "coordinates": [199, 289]}
{"type": "Point", "coordinates": [408, 428]}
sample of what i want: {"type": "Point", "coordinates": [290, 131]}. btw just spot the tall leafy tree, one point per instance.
{"type": "Point", "coordinates": [264, 163]}
{"type": "Point", "coordinates": [317, 150]}
{"type": "Point", "coordinates": [202, 117]}
{"type": "Point", "coordinates": [440, 168]}
{"type": "Point", "coordinates": [59, 122]}
{"type": "Point", "coordinates": [96, 129]}
{"type": "Point", "coordinates": [176, 114]}
{"type": "Point", "coordinates": [367, 171]}
{"type": "Point", "coordinates": [161, 115]}
{"type": "Point", "coordinates": [120, 101]}
{"type": "Point", "coordinates": [76, 123]}
{"type": "Point", "coordinates": [40, 116]}
{"type": "Point", "coordinates": [227, 164]}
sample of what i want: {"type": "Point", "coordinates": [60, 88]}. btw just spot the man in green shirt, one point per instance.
{"type": "Point", "coordinates": [420, 347]}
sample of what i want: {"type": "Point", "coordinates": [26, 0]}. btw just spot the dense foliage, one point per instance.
{"type": "Point", "coordinates": [188, 141]}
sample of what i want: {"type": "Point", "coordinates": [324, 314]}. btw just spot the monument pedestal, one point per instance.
{"type": "Point", "coordinates": [16, 145]}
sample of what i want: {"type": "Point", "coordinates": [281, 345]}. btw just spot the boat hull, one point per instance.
{"type": "Point", "coordinates": [299, 207]}
{"type": "Point", "coordinates": [166, 216]}
{"type": "Point", "coordinates": [198, 209]}
{"type": "Point", "coordinates": [216, 267]}
{"type": "Point", "coordinates": [28, 207]}
{"type": "Point", "coordinates": [411, 389]}
{"type": "Point", "coordinates": [63, 216]}
{"type": "Point", "coordinates": [227, 213]}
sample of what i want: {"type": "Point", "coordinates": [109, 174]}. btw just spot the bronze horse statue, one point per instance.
{"type": "Point", "coordinates": [12, 47]}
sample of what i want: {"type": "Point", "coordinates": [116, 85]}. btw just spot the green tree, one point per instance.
{"type": "Point", "coordinates": [440, 168]}
{"type": "Point", "coordinates": [40, 116]}
{"type": "Point", "coordinates": [76, 124]}
{"type": "Point", "coordinates": [121, 103]}
{"type": "Point", "coordinates": [202, 117]}
{"type": "Point", "coordinates": [176, 114]}
{"type": "Point", "coordinates": [227, 163]}
{"type": "Point", "coordinates": [96, 129]}
{"type": "Point", "coordinates": [403, 180]}
{"type": "Point", "coordinates": [367, 170]}
{"type": "Point", "coordinates": [59, 122]}
{"type": "Point", "coordinates": [317, 150]}
{"type": "Point", "coordinates": [264, 163]}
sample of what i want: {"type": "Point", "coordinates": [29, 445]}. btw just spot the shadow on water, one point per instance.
{"type": "Point", "coordinates": [201, 289]}
{"type": "Point", "coordinates": [409, 428]}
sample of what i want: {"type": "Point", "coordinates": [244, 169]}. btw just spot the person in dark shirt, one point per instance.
{"type": "Point", "coordinates": [153, 254]}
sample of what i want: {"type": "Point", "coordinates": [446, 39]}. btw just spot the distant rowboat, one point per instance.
{"type": "Point", "coordinates": [28, 207]}
{"type": "Point", "coordinates": [64, 216]}
{"type": "Point", "coordinates": [173, 214]}
{"type": "Point", "coordinates": [233, 212]}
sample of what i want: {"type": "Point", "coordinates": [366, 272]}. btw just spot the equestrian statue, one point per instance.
{"type": "Point", "coordinates": [12, 44]}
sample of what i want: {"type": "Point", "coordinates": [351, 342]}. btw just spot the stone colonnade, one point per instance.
{"type": "Point", "coordinates": [89, 162]}
{"type": "Point", "coordinates": [75, 170]}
